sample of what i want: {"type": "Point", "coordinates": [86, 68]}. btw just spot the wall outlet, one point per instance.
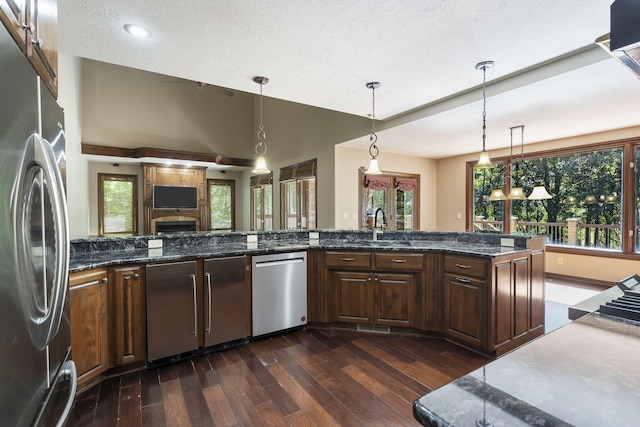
{"type": "Point", "coordinates": [154, 243]}
{"type": "Point", "coordinates": [252, 238]}
{"type": "Point", "coordinates": [458, 215]}
{"type": "Point", "coordinates": [560, 261]}
{"type": "Point", "coordinates": [507, 242]}
{"type": "Point", "coordinates": [314, 235]}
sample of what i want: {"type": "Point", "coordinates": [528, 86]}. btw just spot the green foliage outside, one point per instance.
{"type": "Point", "coordinates": [118, 206]}
{"type": "Point", "coordinates": [220, 207]}
{"type": "Point", "coordinates": [586, 186]}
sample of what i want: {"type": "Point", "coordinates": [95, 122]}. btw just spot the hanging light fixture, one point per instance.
{"type": "Point", "coordinates": [516, 193]}
{"type": "Point", "coordinates": [373, 148]}
{"type": "Point", "coordinates": [484, 162]}
{"type": "Point", "coordinates": [261, 146]}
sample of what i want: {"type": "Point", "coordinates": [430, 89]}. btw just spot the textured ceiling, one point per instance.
{"type": "Point", "coordinates": [548, 75]}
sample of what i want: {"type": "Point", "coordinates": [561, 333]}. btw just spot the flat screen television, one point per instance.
{"type": "Point", "coordinates": [175, 197]}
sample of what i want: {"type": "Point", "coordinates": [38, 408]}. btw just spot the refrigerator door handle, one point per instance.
{"type": "Point", "coordinates": [38, 156]}
{"type": "Point", "coordinates": [68, 373]}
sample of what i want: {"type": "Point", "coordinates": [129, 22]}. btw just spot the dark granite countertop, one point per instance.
{"type": "Point", "coordinates": [583, 374]}
{"type": "Point", "coordinates": [95, 252]}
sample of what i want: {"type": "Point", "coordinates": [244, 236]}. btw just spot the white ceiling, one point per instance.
{"type": "Point", "coordinates": [548, 75]}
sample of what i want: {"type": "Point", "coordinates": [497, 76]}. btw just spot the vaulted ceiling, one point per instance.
{"type": "Point", "coordinates": [549, 75]}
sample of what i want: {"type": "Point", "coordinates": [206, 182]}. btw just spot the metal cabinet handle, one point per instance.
{"type": "Point", "coordinates": [208, 275]}
{"type": "Point", "coordinates": [347, 259]}
{"type": "Point", "coordinates": [87, 284]}
{"type": "Point", "coordinates": [136, 275]}
{"type": "Point", "coordinates": [195, 306]}
{"type": "Point", "coordinates": [127, 277]}
{"type": "Point", "coordinates": [463, 266]}
{"type": "Point", "coordinates": [38, 43]}
{"type": "Point", "coordinates": [399, 261]}
{"type": "Point", "coordinates": [461, 280]}
{"type": "Point", "coordinates": [105, 280]}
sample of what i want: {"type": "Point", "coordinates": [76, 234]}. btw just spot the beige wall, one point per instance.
{"type": "Point", "coordinates": [70, 99]}
{"type": "Point", "coordinates": [349, 160]}
{"type": "Point", "coordinates": [451, 201]}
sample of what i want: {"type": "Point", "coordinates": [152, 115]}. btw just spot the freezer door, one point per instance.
{"type": "Point", "coordinates": [172, 300]}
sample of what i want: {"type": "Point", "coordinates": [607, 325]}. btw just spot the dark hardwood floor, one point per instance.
{"type": "Point", "coordinates": [304, 378]}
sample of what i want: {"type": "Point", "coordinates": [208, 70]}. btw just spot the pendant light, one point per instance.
{"type": "Point", "coordinates": [261, 146]}
{"type": "Point", "coordinates": [539, 192]}
{"type": "Point", "coordinates": [373, 148]}
{"type": "Point", "coordinates": [516, 193]}
{"type": "Point", "coordinates": [484, 162]}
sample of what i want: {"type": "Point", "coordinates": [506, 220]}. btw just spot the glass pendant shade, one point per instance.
{"type": "Point", "coordinates": [373, 168]}
{"type": "Point", "coordinates": [497, 195]}
{"type": "Point", "coordinates": [484, 162]}
{"type": "Point", "coordinates": [539, 192]}
{"type": "Point", "coordinates": [516, 193]}
{"type": "Point", "coordinates": [261, 166]}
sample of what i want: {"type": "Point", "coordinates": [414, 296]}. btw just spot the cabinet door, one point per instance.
{"type": "Point", "coordinates": [13, 15]}
{"type": "Point", "coordinates": [225, 300]}
{"type": "Point", "coordinates": [129, 316]}
{"type": "Point", "coordinates": [42, 41]}
{"type": "Point", "coordinates": [465, 309]}
{"type": "Point", "coordinates": [88, 293]}
{"type": "Point", "coordinates": [172, 300]}
{"type": "Point", "coordinates": [394, 299]}
{"type": "Point", "coordinates": [353, 293]}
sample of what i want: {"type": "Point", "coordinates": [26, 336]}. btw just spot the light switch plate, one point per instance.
{"type": "Point", "coordinates": [252, 238]}
{"type": "Point", "coordinates": [154, 243]}
{"type": "Point", "coordinates": [507, 242]}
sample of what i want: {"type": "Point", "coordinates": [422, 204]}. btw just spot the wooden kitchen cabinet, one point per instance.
{"type": "Point", "coordinates": [494, 304]}
{"type": "Point", "coordinates": [88, 294]}
{"type": "Point", "coordinates": [375, 288]}
{"type": "Point", "coordinates": [33, 26]}
{"type": "Point", "coordinates": [129, 316]}
{"type": "Point", "coordinates": [465, 309]}
{"type": "Point", "coordinates": [42, 41]}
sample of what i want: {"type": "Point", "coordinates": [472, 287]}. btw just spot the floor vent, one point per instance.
{"type": "Point", "coordinates": [374, 329]}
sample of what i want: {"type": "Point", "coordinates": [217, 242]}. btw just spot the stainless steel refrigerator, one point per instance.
{"type": "Point", "coordinates": [37, 379]}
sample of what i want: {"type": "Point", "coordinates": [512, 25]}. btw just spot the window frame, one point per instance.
{"type": "Point", "coordinates": [391, 202]}
{"type": "Point", "coordinates": [227, 183]}
{"type": "Point", "coordinates": [297, 174]}
{"type": "Point", "coordinates": [628, 204]}
{"type": "Point", "coordinates": [260, 182]}
{"type": "Point", "coordinates": [102, 177]}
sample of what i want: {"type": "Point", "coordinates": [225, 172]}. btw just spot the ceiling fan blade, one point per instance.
{"type": "Point", "coordinates": [222, 90]}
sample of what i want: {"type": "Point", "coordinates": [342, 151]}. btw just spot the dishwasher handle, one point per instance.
{"type": "Point", "coordinates": [275, 262]}
{"type": "Point", "coordinates": [208, 275]}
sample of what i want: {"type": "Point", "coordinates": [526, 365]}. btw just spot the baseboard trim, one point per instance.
{"type": "Point", "coordinates": [581, 282]}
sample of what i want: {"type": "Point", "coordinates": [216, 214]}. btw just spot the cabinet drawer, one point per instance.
{"type": "Point", "coordinates": [399, 261]}
{"type": "Point", "coordinates": [348, 260]}
{"type": "Point", "coordinates": [465, 266]}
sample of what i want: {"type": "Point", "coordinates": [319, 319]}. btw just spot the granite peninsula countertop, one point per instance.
{"type": "Point", "coordinates": [100, 252]}
{"type": "Point", "coordinates": [585, 373]}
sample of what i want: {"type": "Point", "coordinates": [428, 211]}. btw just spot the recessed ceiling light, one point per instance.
{"type": "Point", "coordinates": [138, 30]}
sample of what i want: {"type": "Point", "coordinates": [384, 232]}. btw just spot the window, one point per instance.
{"type": "Point", "coordinates": [261, 202]}
{"type": "Point", "coordinates": [222, 200]}
{"type": "Point", "coordinates": [298, 196]}
{"type": "Point", "coordinates": [587, 210]}
{"type": "Point", "coordinates": [397, 195]}
{"type": "Point", "coordinates": [117, 204]}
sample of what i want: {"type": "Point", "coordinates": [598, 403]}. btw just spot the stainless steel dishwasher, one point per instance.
{"type": "Point", "coordinates": [279, 292]}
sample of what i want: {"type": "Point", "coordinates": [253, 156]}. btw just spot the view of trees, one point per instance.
{"type": "Point", "coordinates": [586, 186]}
{"type": "Point", "coordinates": [118, 208]}
{"type": "Point", "coordinates": [220, 206]}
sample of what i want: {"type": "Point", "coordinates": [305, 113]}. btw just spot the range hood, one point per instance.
{"type": "Point", "coordinates": [623, 42]}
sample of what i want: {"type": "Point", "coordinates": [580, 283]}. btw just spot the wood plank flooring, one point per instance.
{"type": "Point", "coordinates": [304, 378]}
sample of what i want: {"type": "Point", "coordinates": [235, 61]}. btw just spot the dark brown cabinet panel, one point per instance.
{"type": "Point", "coordinates": [353, 296]}
{"type": "Point", "coordinates": [33, 26]}
{"type": "Point", "coordinates": [129, 315]}
{"type": "Point", "coordinates": [465, 309]}
{"type": "Point", "coordinates": [88, 294]}
{"type": "Point", "coordinates": [42, 41]}
{"type": "Point", "coordinates": [394, 296]}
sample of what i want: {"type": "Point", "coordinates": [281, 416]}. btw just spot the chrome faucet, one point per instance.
{"type": "Point", "coordinates": [375, 223]}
